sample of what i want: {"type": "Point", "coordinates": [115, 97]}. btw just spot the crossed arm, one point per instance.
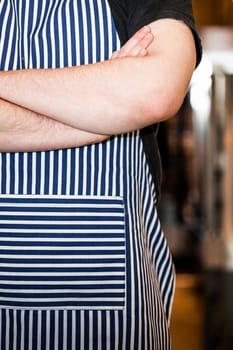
{"type": "Point", "coordinates": [22, 129]}
{"type": "Point", "coordinates": [144, 83]}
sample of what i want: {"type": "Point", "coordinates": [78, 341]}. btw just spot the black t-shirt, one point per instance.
{"type": "Point", "coordinates": [130, 15]}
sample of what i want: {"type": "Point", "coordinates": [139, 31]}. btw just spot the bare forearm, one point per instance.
{"type": "Point", "coordinates": [88, 97]}
{"type": "Point", "coordinates": [24, 130]}
{"type": "Point", "coordinates": [113, 96]}
{"type": "Point", "coordinates": [106, 97]}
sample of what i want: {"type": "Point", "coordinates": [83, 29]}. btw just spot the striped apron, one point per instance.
{"type": "Point", "coordinates": [83, 260]}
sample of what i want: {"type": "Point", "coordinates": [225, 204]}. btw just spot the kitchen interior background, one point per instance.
{"type": "Point", "coordinates": [196, 206]}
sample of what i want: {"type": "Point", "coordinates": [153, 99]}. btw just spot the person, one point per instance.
{"type": "Point", "coordinates": [84, 261]}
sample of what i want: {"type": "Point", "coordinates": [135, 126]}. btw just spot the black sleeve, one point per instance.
{"type": "Point", "coordinates": [130, 15]}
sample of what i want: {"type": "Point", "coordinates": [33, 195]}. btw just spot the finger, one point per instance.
{"type": "Point", "coordinates": [115, 55]}
{"type": "Point", "coordinates": [141, 53]}
{"type": "Point", "coordinates": [137, 37]}
{"type": "Point", "coordinates": [144, 43]}
{"type": "Point", "coordinates": [134, 40]}
{"type": "Point", "coordinates": [138, 42]}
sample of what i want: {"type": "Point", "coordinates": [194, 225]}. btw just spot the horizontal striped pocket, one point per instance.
{"type": "Point", "coordinates": [62, 252]}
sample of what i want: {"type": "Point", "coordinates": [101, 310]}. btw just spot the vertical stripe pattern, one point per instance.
{"type": "Point", "coordinates": [83, 260]}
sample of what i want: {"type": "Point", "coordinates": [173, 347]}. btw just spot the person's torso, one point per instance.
{"type": "Point", "coordinates": [106, 187]}
{"type": "Point", "coordinates": [53, 34]}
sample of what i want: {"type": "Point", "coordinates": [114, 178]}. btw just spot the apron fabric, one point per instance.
{"type": "Point", "coordinates": [84, 263]}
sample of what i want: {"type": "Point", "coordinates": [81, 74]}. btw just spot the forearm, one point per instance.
{"type": "Point", "coordinates": [88, 97]}
{"type": "Point", "coordinates": [24, 130]}
{"type": "Point", "coordinates": [113, 96]}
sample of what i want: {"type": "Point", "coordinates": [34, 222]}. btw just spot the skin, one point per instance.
{"type": "Point", "coordinates": [139, 86]}
{"type": "Point", "coordinates": [24, 130]}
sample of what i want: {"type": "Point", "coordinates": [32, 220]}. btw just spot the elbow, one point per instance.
{"type": "Point", "coordinates": [161, 105]}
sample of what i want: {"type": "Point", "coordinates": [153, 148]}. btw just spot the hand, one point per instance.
{"type": "Point", "coordinates": [137, 45]}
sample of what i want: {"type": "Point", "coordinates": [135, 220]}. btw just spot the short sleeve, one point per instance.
{"type": "Point", "coordinates": [144, 12]}
{"type": "Point", "coordinates": [130, 15]}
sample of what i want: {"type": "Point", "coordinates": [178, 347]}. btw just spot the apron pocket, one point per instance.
{"type": "Point", "coordinates": [61, 252]}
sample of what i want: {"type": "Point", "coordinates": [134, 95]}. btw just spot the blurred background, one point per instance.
{"type": "Point", "coordinates": [196, 207]}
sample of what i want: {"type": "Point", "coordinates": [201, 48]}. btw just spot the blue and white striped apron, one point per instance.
{"type": "Point", "coordinates": [83, 261]}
